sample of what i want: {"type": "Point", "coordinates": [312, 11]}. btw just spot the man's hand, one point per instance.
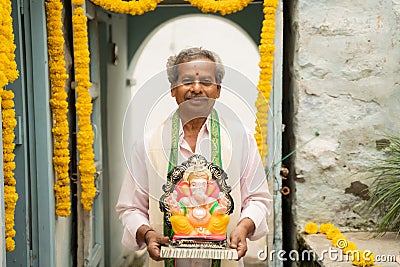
{"type": "Point", "coordinates": [152, 239]}
{"type": "Point", "coordinates": [238, 236]}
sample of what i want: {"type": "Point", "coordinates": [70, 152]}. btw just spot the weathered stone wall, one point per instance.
{"type": "Point", "coordinates": [345, 79]}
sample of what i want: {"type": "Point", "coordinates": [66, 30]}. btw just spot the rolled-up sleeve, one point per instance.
{"type": "Point", "coordinates": [133, 202]}
{"type": "Point", "coordinates": [256, 198]}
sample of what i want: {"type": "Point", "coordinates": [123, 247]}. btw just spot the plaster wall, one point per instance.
{"type": "Point", "coordinates": [345, 79]}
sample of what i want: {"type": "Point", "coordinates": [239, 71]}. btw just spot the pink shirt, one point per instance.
{"type": "Point", "coordinates": [133, 205]}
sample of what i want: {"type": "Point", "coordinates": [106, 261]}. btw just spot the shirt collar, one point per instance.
{"type": "Point", "coordinates": [205, 127]}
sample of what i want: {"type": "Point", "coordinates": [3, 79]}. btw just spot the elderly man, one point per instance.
{"type": "Point", "coordinates": [195, 75]}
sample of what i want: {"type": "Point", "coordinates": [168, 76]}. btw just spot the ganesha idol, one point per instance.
{"type": "Point", "coordinates": [197, 206]}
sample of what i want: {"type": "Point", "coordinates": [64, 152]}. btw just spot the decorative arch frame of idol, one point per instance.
{"type": "Point", "coordinates": [196, 204]}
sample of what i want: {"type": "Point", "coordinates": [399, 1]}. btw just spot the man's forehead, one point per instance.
{"type": "Point", "coordinates": [196, 73]}
{"type": "Point", "coordinates": [196, 65]}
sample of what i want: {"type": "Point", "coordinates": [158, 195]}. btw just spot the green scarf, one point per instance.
{"type": "Point", "coordinates": [173, 161]}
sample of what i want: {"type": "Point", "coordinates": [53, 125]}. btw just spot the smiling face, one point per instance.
{"type": "Point", "coordinates": [196, 88]}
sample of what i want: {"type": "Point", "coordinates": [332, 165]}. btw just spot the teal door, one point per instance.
{"type": "Point", "coordinates": [34, 214]}
{"type": "Point", "coordinates": [21, 255]}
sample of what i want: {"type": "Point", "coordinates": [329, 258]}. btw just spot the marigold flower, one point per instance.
{"type": "Point", "coordinates": [325, 227]}
{"type": "Point", "coordinates": [339, 241]}
{"type": "Point", "coordinates": [363, 258]}
{"type": "Point", "coordinates": [311, 228]}
{"type": "Point", "coordinates": [351, 247]}
{"type": "Point", "coordinates": [10, 244]}
{"type": "Point", "coordinates": [332, 232]}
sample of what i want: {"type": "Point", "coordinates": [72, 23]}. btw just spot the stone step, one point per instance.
{"type": "Point", "coordinates": [386, 248]}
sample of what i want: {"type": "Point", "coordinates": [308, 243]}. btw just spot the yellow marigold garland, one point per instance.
{"type": "Point", "coordinates": [224, 7]}
{"type": "Point", "coordinates": [338, 239]}
{"type": "Point", "coordinates": [85, 135]}
{"type": "Point", "coordinates": [141, 6]}
{"type": "Point", "coordinates": [59, 106]}
{"type": "Point", "coordinates": [332, 232]}
{"type": "Point", "coordinates": [133, 7]}
{"type": "Point", "coordinates": [8, 74]}
{"type": "Point", "coordinates": [361, 258]}
{"type": "Point", "coordinates": [8, 66]}
{"type": "Point", "coordinates": [325, 227]}
{"type": "Point", "coordinates": [264, 86]}
{"type": "Point", "coordinates": [10, 194]}
{"type": "Point", "coordinates": [351, 246]}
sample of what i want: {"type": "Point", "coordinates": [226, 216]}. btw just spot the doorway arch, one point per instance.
{"type": "Point", "coordinates": [139, 27]}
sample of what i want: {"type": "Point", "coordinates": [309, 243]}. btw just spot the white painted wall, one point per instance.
{"type": "Point", "coordinates": [346, 86]}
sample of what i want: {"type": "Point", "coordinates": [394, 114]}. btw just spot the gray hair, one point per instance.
{"type": "Point", "coordinates": [189, 54]}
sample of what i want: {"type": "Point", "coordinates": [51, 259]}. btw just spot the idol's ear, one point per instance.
{"type": "Point", "coordinates": [184, 189]}
{"type": "Point", "coordinates": [211, 188]}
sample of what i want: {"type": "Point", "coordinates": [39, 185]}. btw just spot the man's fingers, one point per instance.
{"type": "Point", "coordinates": [154, 252]}
{"type": "Point", "coordinates": [234, 241]}
{"type": "Point", "coordinates": [238, 242]}
{"type": "Point", "coordinates": [162, 239]}
{"type": "Point", "coordinates": [154, 246]}
{"type": "Point", "coordinates": [242, 249]}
